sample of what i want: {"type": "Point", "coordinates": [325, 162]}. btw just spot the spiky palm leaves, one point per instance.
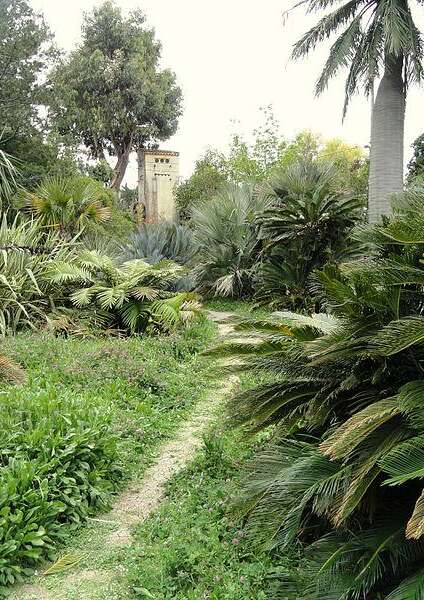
{"type": "Point", "coordinates": [130, 297]}
{"type": "Point", "coordinates": [226, 241]}
{"type": "Point", "coordinates": [373, 30]}
{"type": "Point", "coordinates": [344, 474]}
{"type": "Point", "coordinates": [306, 226]}
{"type": "Point", "coordinates": [67, 205]}
{"type": "Point", "coordinates": [26, 255]}
{"type": "Point", "coordinates": [8, 175]}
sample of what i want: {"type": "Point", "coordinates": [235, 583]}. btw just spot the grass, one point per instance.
{"type": "Point", "coordinates": [139, 388]}
{"type": "Point", "coordinates": [144, 384]}
{"type": "Point", "coordinates": [242, 308]}
{"type": "Point", "coordinates": [193, 547]}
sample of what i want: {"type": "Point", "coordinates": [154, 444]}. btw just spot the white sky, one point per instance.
{"type": "Point", "coordinates": [232, 57]}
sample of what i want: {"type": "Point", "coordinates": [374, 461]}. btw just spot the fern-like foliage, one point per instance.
{"type": "Point", "coordinates": [307, 224]}
{"type": "Point", "coordinates": [343, 398]}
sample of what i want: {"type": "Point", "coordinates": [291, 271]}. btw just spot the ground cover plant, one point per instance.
{"type": "Point", "coordinates": [343, 474]}
{"type": "Point", "coordinates": [88, 416]}
{"type": "Point", "coordinates": [192, 547]}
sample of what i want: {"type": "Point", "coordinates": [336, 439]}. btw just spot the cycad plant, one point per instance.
{"type": "Point", "coordinates": [345, 405]}
{"type": "Point", "coordinates": [307, 225]}
{"type": "Point", "coordinates": [376, 39]}
{"type": "Point", "coordinates": [67, 205]}
{"type": "Point", "coordinates": [131, 297]}
{"type": "Point", "coordinates": [226, 241]}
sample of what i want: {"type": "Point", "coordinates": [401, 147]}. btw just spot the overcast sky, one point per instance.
{"type": "Point", "coordinates": [231, 57]}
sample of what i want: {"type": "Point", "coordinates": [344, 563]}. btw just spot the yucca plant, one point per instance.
{"type": "Point", "coordinates": [8, 178]}
{"type": "Point", "coordinates": [67, 205]}
{"type": "Point", "coordinates": [345, 404]}
{"type": "Point", "coordinates": [131, 297]}
{"type": "Point", "coordinates": [306, 226]}
{"type": "Point", "coordinates": [225, 236]}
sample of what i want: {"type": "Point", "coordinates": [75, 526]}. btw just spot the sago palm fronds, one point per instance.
{"type": "Point", "coordinates": [347, 393]}
{"type": "Point", "coordinates": [307, 225]}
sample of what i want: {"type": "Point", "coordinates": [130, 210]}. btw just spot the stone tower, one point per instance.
{"type": "Point", "coordinates": [158, 174]}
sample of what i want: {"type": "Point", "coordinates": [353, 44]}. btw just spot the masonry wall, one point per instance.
{"type": "Point", "coordinates": [161, 176]}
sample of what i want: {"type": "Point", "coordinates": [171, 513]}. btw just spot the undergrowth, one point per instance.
{"type": "Point", "coordinates": [89, 415]}
{"type": "Point", "coordinates": [194, 547]}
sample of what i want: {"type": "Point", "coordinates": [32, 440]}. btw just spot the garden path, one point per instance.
{"type": "Point", "coordinates": [108, 535]}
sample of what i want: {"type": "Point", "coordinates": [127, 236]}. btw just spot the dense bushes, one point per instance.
{"type": "Point", "coordinates": [264, 241]}
{"type": "Point", "coordinates": [59, 464]}
{"type": "Point", "coordinates": [27, 253]}
{"type": "Point", "coordinates": [344, 472]}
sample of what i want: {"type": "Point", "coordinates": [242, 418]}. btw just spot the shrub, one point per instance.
{"type": "Point", "coordinates": [344, 472]}
{"type": "Point", "coordinates": [159, 241]}
{"type": "Point", "coordinates": [307, 225]}
{"type": "Point", "coordinates": [226, 241]}
{"type": "Point", "coordinates": [132, 297]}
{"type": "Point", "coordinates": [26, 254]}
{"type": "Point", "coordinates": [59, 463]}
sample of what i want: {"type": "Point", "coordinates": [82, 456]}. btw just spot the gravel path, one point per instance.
{"type": "Point", "coordinates": [142, 497]}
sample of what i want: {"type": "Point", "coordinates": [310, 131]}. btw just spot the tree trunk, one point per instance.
{"type": "Point", "coordinates": [387, 139]}
{"type": "Point", "coordinates": [120, 169]}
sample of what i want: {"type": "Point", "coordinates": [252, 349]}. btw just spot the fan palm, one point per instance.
{"type": "Point", "coordinates": [376, 38]}
{"type": "Point", "coordinates": [130, 297]}
{"type": "Point", "coordinates": [226, 244]}
{"type": "Point", "coordinates": [307, 225]}
{"type": "Point", "coordinates": [159, 241]}
{"type": "Point", "coordinates": [345, 400]}
{"type": "Point", "coordinates": [69, 204]}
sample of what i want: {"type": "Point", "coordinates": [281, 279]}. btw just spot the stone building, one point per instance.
{"type": "Point", "coordinates": [158, 174]}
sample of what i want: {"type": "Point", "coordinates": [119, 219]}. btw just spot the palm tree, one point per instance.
{"type": "Point", "coordinates": [67, 205]}
{"type": "Point", "coordinates": [379, 38]}
{"type": "Point", "coordinates": [226, 241]}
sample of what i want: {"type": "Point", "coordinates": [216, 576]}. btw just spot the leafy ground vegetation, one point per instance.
{"type": "Point", "coordinates": [192, 547]}
{"type": "Point", "coordinates": [89, 416]}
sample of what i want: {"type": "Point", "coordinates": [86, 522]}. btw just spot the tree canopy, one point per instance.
{"type": "Point", "coordinates": [110, 94]}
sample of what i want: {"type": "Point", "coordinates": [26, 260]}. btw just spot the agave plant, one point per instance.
{"type": "Point", "coordinates": [67, 205]}
{"type": "Point", "coordinates": [226, 241]}
{"type": "Point", "coordinates": [306, 226]}
{"type": "Point", "coordinates": [345, 402]}
{"type": "Point", "coordinates": [155, 242]}
{"type": "Point", "coordinates": [131, 297]}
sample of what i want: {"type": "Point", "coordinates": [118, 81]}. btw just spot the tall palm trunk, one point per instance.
{"type": "Point", "coordinates": [387, 139]}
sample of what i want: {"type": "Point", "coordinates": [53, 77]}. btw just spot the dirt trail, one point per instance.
{"type": "Point", "coordinates": [137, 502]}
